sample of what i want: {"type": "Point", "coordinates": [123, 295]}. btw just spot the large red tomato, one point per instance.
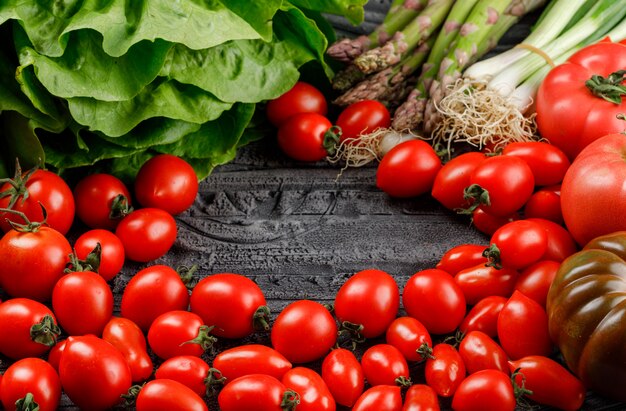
{"type": "Point", "coordinates": [569, 112]}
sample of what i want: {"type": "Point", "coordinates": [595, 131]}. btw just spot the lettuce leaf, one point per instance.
{"type": "Point", "coordinates": [351, 9]}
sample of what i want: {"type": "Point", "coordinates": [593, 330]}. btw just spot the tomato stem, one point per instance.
{"type": "Point", "coordinates": [331, 139]}
{"type": "Point", "coordinates": [130, 398]}
{"type": "Point", "coordinates": [18, 184]}
{"type": "Point", "coordinates": [27, 403]}
{"type": "Point", "coordinates": [403, 381]}
{"type": "Point", "coordinates": [425, 351]}
{"type": "Point", "coordinates": [492, 253]}
{"type": "Point", "coordinates": [28, 226]}
{"type": "Point", "coordinates": [478, 195]}
{"type": "Point", "coordinates": [353, 331]}
{"type": "Point", "coordinates": [261, 318]}
{"type": "Point", "coordinates": [290, 401]}
{"type": "Point", "coordinates": [187, 275]}
{"type": "Point", "coordinates": [91, 263]}
{"type": "Point", "coordinates": [45, 331]}
{"type": "Point", "coordinates": [519, 390]}
{"type": "Point", "coordinates": [213, 380]}
{"type": "Point", "coordinates": [204, 338]}
{"type": "Point", "coordinates": [120, 207]}
{"type": "Point", "coordinates": [609, 88]}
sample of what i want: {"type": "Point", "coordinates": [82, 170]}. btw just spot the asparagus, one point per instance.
{"type": "Point", "coordinates": [414, 34]}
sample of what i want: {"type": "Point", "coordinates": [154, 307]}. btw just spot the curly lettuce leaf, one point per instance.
{"type": "Point", "coordinates": [351, 9]}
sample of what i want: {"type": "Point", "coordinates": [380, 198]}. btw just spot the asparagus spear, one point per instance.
{"type": "Point", "coordinates": [414, 34]}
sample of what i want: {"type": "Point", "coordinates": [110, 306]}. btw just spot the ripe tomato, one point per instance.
{"type": "Point", "coordinates": [517, 244]}
{"type": "Point", "coordinates": [151, 292]}
{"type": "Point", "coordinates": [550, 382]}
{"type": "Point", "coordinates": [124, 335]}
{"type": "Point", "coordinates": [302, 136]}
{"type": "Point", "coordinates": [111, 258]}
{"type": "Point", "coordinates": [28, 327]}
{"type": "Point", "coordinates": [313, 392]}
{"type": "Point", "coordinates": [301, 98]}
{"type": "Point", "coordinates": [32, 191]}
{"type": "Point", "coordinates": [452, 179]}
{"type": "Point", "coordinates": [420, 397]}
{"type": "Point", "coordinates": [250, 359]}
{"type": "Point", "coordinates": [101, 201]}
{"type": "Point", "coordinates": [380, 398]}
{"type": "Point", "coordinates": [560, 242]}
{"type": "Point", "coordinates": [548, 163]}
{"type": "Point", "coordinates": [434, 299]}
{"type": "Point", "coordinates": [362, 117]}
{"type": "Point", "coordinates": [166, 182]}
{"type": "Point", "coordinates": [461, 257]}
{"type": "Point", "coordinates": [304, 331]}
{"type": "Point", "coordinates": [545, 204]}
{"type": "Point", "coordinates": [168, 395]}
{"type": "Point", "coordinates": [147, 234]}
{"type": "Point", "coordinates": [501, 185]}
{"type": "Point", "coordinates": [485, 390]}
{"type": "Point", "coordinates": [83, 303]}
{"type": "Point", "coordinates": [343, 375]}
{"type": "Point", "coordinates": [233, 303]}
{"type": "Point", "coordinates": [484, 316]}
{"type": "Point", "coordinates": [444, 370]}
{"type": "Point", "coordinates": [179, 333]}
{"type": "Point", "coordinates": [535, 280]}
{"type": "Point", "coordinates": [31, 376]}
{"type": "Point", "coordinates": [32, 262]}
{"type": "Point", "coordinates": [483, 281]}
{"type": "Point", "coordinates": [523, 328]}
{"type": "Point", "coordinates": [480, 352]}
{"type": "Point", "coordinates": [256, 392]}
{"type": "Point", "coordinates": [94, 374]}
{"type": "Point", "coordinates": [186, 369]}
{"type": "Point", "coordinates": [384, 364]}
{"type": "Point", "coordinates": [408, 169]}
{"type": "Point", "coordinates": [488, 223]}
{"type": "Point", "coordinates": [370, 298]}
{"type": "Point", "coordinates": [410, 337]}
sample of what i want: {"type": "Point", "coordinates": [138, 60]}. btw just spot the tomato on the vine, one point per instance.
{"type": "Point", "coordinates": [168, 395]}
{"type": "Point", "coordinates": [256, 392]}
{"type": "Point", "coordinates": [485, 390]}
{"type": "Point", "coordinates": [343, 375]}
{"type": "Point", "coordinates": [101, 201]}
{"type": "Point", "coordinates": [247, 359]}
{"type": "Point", "coordinates": [362, 117]}
{"type": "Point", "coordinates": [147, 234]}
{"type": "Point", "coordinates": [302, 136]}
{"type": "Point", "coordinates": [188, 370]}
{"type": "Point", "coordinates": [30, 376]}
{"type": "Point", "coordinates": [301, 98]}
{"type": "Point", "coordinates": [110, 254]}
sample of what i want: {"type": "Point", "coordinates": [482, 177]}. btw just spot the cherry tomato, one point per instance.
{"type": "Point", "coordinates": [188, 370]}
{"type": "Point", "coordinates": [83, 303]}
{"type": "Point", "coordinates": [101, 201]}
{"type": "Point", "coordinates": [304, 331]}
{"type": "Point", "coordinates": [179, 333]}
{"type": "Point", "coordinates": [45, 189]}
{"type": "Point", "coordinates": [550, 382]}
{"type": "Point", "coordinates": [535, 280]}
{"type": "Point", "coordinates": [151, 292]}
{"type": "Point", "coordinates": [111, 251]}
{"type": "Point", "coordinates": [301, 98]}
{"type": "Point", "coordinates": [410, 337]}
{"type": "Point", "coordinates": [420, 397]}
{"type": "Point", "coordinates": [461, 257]}
{"type": "Point", "coordinates": [166, 182]}
{"type": "Point", "coordinates": [561, 244]}
{"type": "Point", "coordinates": [313, 392]}
{"type": "Point", "coordinates": [54, 355]}
{"type": "Point", "coordinates": [233, 303]}
{"type": "Point", "coordinates": [34, 376]}
{"type": "Point", "coordinates": [480, 352]}
{"type": "Point", "coordinates": [361, 118]}
{"type": "Point", "coordinates": [445, 370]}
{"type": "Point", "coordinates": [484, 316]}
{"type": "Point", "coordinates": [488, 223]}
{"type": "Point", "coordinates": [501, 185]}
{"type": "Point", "coordinates": [147, 234]}
{"type": "Point", "coordinates": [548, 163]}
{"type": "Point", "coordinates": [370, 298]}
{"type": "Point", "coordinates": [32, 262]}
{"type": "Point", "coordinates": [257, 392]}
{"type": "Point", "coordinates": [485, 390]}
{"type": "Point", "coordinates": [251, 359]}
{"type": "Point", "coordinates": [301, 137]}
{"type": "Point", "coordinates": [517, 244]}
{"type": "Point", "coordinates": [483, 281]}
{"type": "Point", "coordinates": [94, 374]}
{"type": "Point", "coordinates": [523, 328]}
{"type": "Point", "coordinates": [124, 335]}
{"type": "Point", "coordinates": [452, 179]}
{"type": "Point", "coordinates": [380, 398]}
{"type": "Point", "coordinates": [384, 364]}
{"type": "Point", "coordinates": [28, 327]}
{"type": "Point", "coordinates": [343, 375]}
{"type": "Point", "coordinates": [546, 204]}
{"type": "Point", "coordinates": [434, 299]}
{"type": "Point", "coordinates": [168, 395]}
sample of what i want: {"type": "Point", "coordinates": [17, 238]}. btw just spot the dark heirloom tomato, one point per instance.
{"type": "Point", "coordinates": [587, 314]}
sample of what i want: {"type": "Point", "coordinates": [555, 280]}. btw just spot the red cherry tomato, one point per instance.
{"type": "Point", "coordinates": [304, 331]}
{"type": "Point", "coordinates": [420, 397]}
{"type": "Point", "coordinates": [186, 369]}
{"type": "Point", "coordinates": [485, 390]}
{"type": "Point", "coordinates": [369, 298]}
{"type": "Point", "coordinates": [480, 352]}
{"type": "Point", "coordinates": [461, 257]}
{"type": "Point", "coordinates": [343, 375]}
{"type": "Point", "coordinates": [233, 303]}
{"type": "Point", "coordinates": [384, 364]}
{"type": "Point", "coordinates": [147, 234]}
{"type": "Point", "coordinates": [101, 201]}
{"type": "Point", "coordinates": [410, 337]}
{"type": "Point", "coordinates": [257, 392]}
{"type": "Point", "coordinates": [301, 98]}
{"type": "Point", "coordinates": [168, 395]}
{"type": "Point", "coordinates": [488, 223]}
{"type": "Point", "coordinates": [251, 359]}
{"type": "Point", "coordinates": [179, 333]}
{"type": "Point", "coordinates": [518, 244]}
{"type": "Point", "coordinates": [166, 182]}
{"type": "Point", "coordinates": [445, 370]}
{"type": "Point", "coordinates": [548, 163]}
{"type": "Point", "coordinates": [28, 327]}
{"type": "Point", "coordinates": [361, 118]}
{"type": "Point", "coordinates": [301, 137]}
{"type": "Point", "coordinates": [380, 398]}
{"type": "Point", "coordinates": [434, 299]}
{"type": "Point", "coordinates": [83, 303]}
{"type": "Point", "coordinates": [452, 179]}
{"type": "Point", "coordinates": [535, 280]}
{"type": "Point", "coordinates": [111, 251]}
{"type": "Point", "coordinates": [124, 335]}
{"type": "Point", "coordinates": [151, 292]}
{"type": "Point", "coordinates": [31, 376]}
{"type": "Point", "coordinates": [483, 281]}
{"type": "Point", "coordinates": [561, 244]}
{"type": "Point", "coordinates": [546, 204]}
{"type": "Point", "coordinates": [408, 169]}
{"type": "Point", "coordinates": [313, 392]}
{"type": "Point", "coordinates": [484, 316]}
